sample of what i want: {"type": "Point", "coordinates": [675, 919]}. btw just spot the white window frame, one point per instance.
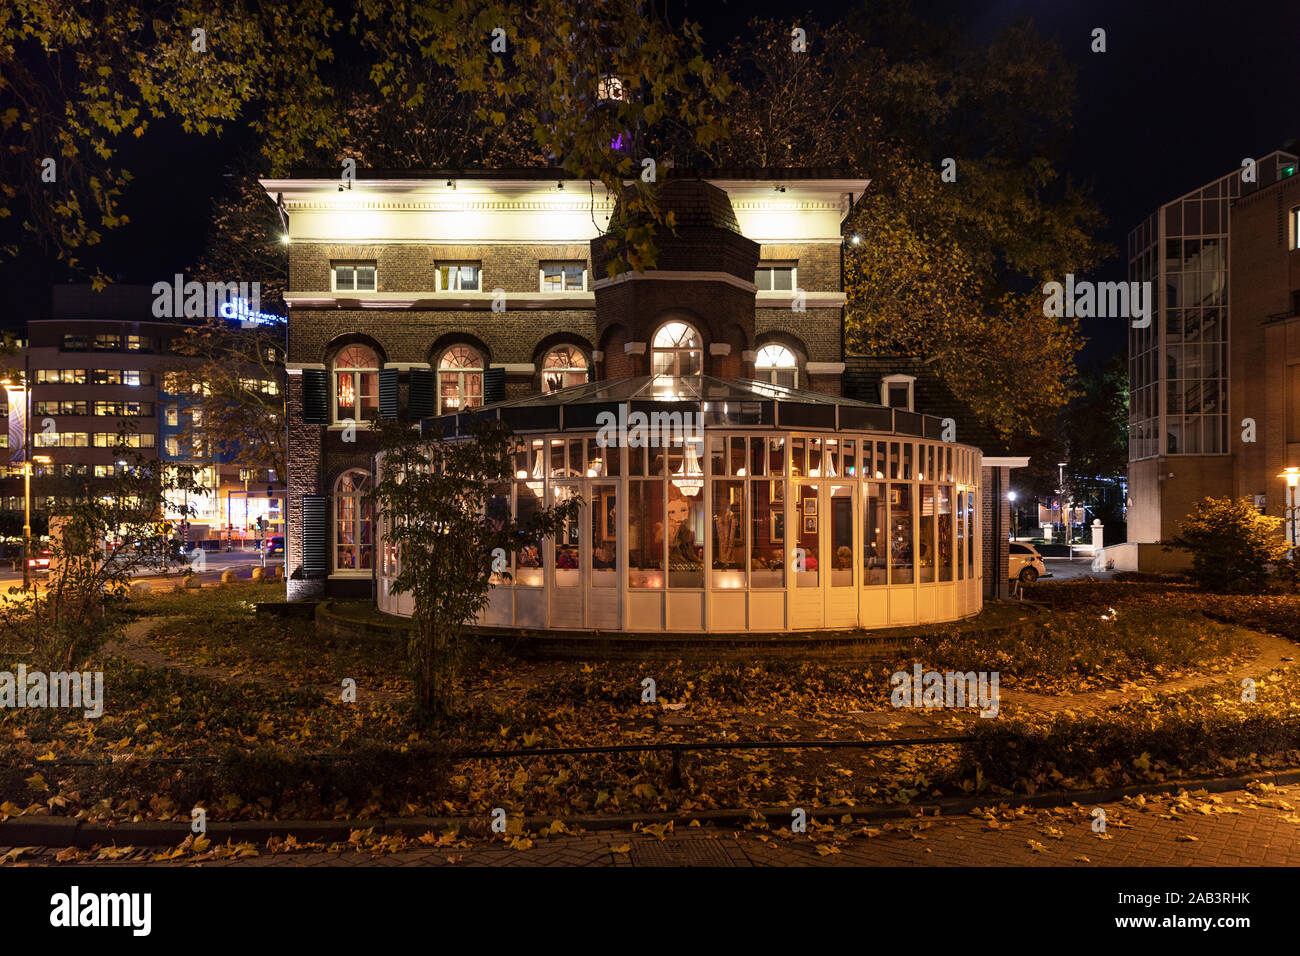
{"type": "Point", "coordinates": [770, 267]}
{"type": "Point", "coordinates": [357, 511]}
{"type": "Point", "coordinates": [440, 370]}
{"type": "Point", "coordinates": [562, 263]}
{"type": "Point", "coordinates": [676, 351]}
{"type": "Point", "coordinates": [768, 373]}
{"type": "Point", "coordinates": [457, 264]}
{"type": "Point", "coordinates": [1295, 227]}
{"type": "Point", "coordinates": [564, 370]}
{"type": "Point", "coordinates": [354, 265]}
{"type": "Point", "coordinates": [356, 373]}
{"type": "Point", "coordinates": [908, 380]}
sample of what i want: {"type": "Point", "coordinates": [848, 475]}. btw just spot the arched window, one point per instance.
{"type": "Point", "coordinates": [354, 526]}
{"type": "Point", "coordinates": [356, 383]}
{"type": "Point", "coordinates": [777, 364]}
{"type": "Point", "coordinates": [677, 351]}
{"type": "Point", "coordinates": [563, 367]}
{"type": "Point", "coordinates": [460, 379]}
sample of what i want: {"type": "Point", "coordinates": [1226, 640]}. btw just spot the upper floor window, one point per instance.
{"type": "Point", "coordinates": [356, 383]}
{"type": "Point", "coordinates": [458, 277]}
{"type": "Point", "coordinates": [775, 276]}
{"type": "Point", "coordinates": [354, 277]}
{"type": "Point", "coordinates": [1295, 228]}
{"type": "Point", "coordinates": [60, 376]}
{"type": "Point", "coordinates": [75, 343]}
{"type": "Point", "coordinates": [777, 364]}
{"type": "Point", "coordinates": [897, 391]}
{"type": "Point", "coordinates": [678, 350]}
{"type": "Point", "coordinates": [460, 379]}
{"type": "Point", "coordinates": [106, 342]}
{"type": "Point", "coordinates": [120, 376]}
{"type": "Point", "coordinates": [564, 276]}
{"type": "Point", "coordinates": [563, 367]}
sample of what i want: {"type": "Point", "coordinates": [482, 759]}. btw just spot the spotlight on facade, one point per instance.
{"type": "Point", "coordinates": [856, 238]}
{"type": "Point", "coordinates": [284, 239]}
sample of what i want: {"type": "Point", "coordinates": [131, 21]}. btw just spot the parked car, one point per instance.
{"type": "Point", "coordinates": [1025, 563]}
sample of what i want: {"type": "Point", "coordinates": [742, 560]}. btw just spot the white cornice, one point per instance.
{"type": "Point", "coordinates": [445, 301]}
{"type": "Point", "coordinates": [812, 300]}
{"type": "Point", "coordinates": [824, 368]}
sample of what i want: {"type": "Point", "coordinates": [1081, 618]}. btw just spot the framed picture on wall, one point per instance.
{"type": "Point", "coordinates": [809, 524]}
{"type": "Point", "coordinates": [810, 506]}
{"type": "Point", "coordinates": [778, 528]}
{"type": "Point", "coordinates": [893, 495]}
{"type": "Point", "coordinates": [611, 516]}
{"type": "Point", "coordinates": [778, 491]}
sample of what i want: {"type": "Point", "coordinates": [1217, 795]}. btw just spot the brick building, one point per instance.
{"type": "Point", "coordinates": [426, 294]}
{"type": "Point", "coordinates": [1215, 395]}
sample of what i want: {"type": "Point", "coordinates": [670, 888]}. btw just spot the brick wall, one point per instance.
{"type": "Point", "coordinates": [401, 267]}
{"type": "Point", "coordinates": [995, 513]}
{"type": "Point", "coordinates": [818, 263]}
{"type": "Point", "coordinates": [409, 335]}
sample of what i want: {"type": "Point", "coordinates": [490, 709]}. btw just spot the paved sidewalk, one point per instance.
{"type": "Point", "coordinates": [1259, 826]}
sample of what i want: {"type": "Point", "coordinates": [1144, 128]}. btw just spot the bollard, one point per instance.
{"type": "Point", "coordinates": [229, 577]}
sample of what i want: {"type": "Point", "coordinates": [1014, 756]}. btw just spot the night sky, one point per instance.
{"type": "Point", "coordinates": [1184, 93]}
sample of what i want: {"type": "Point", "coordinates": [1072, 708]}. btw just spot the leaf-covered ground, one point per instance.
{"type": "Point", "coordinates": [247, 718]}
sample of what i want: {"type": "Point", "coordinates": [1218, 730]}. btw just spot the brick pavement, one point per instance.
{"type": "Point", "coordinates": [1255, 827]}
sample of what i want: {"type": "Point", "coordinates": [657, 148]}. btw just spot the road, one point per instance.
{"type": "Point", "coordinates": [241, 562]}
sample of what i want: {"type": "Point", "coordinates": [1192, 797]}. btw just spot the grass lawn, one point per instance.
{"type": "Point", "coordinates": [256, 698]}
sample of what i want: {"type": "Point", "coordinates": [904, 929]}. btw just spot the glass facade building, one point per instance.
{"type": "Point", "coordinates": [1178, 364]}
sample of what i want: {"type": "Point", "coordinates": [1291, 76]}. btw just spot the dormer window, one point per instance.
{"type": "Point", "coordinates": [898, 391]}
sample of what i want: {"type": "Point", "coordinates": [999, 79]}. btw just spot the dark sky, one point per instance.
{"type": "Point", "coordinates": [1183, 93]}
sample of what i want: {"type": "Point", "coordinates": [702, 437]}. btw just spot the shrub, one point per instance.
{"type": "Point", "coordinates": [1231, 543]}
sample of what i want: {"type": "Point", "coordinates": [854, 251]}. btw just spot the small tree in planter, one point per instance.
{"type": "Point", "coordinates": [432, 497]}
{"type": "Point", "coordinates": [1231, 543]}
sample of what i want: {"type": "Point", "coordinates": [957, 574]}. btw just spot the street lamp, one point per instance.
{"type": "Point", "coordinates": [1062, 503]}
{"type": "Point", "coordinates": [1015, 515]}
{"type": "Point", "coordinates": [1291, 475]}
{"type": "Point", "coordinates": [27, 516]}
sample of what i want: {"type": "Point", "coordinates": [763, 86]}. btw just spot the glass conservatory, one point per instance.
{"type": "Point", "coordinates": [728, 506]}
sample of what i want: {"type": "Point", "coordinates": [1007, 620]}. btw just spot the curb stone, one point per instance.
{"type": "Point", "coordinates": [63, 831]}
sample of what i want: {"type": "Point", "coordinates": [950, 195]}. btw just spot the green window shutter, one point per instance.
{"type": "Point", "coordinates": [388, 392]}
{"type": "Point", "coordinates": [315, 396]}
{"type": "Point", "coordinates": [421, 400]}
{"type": "Point", "coordinates": [315, 535]}
{"type": "Point", "coordinates": [494, 386]}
